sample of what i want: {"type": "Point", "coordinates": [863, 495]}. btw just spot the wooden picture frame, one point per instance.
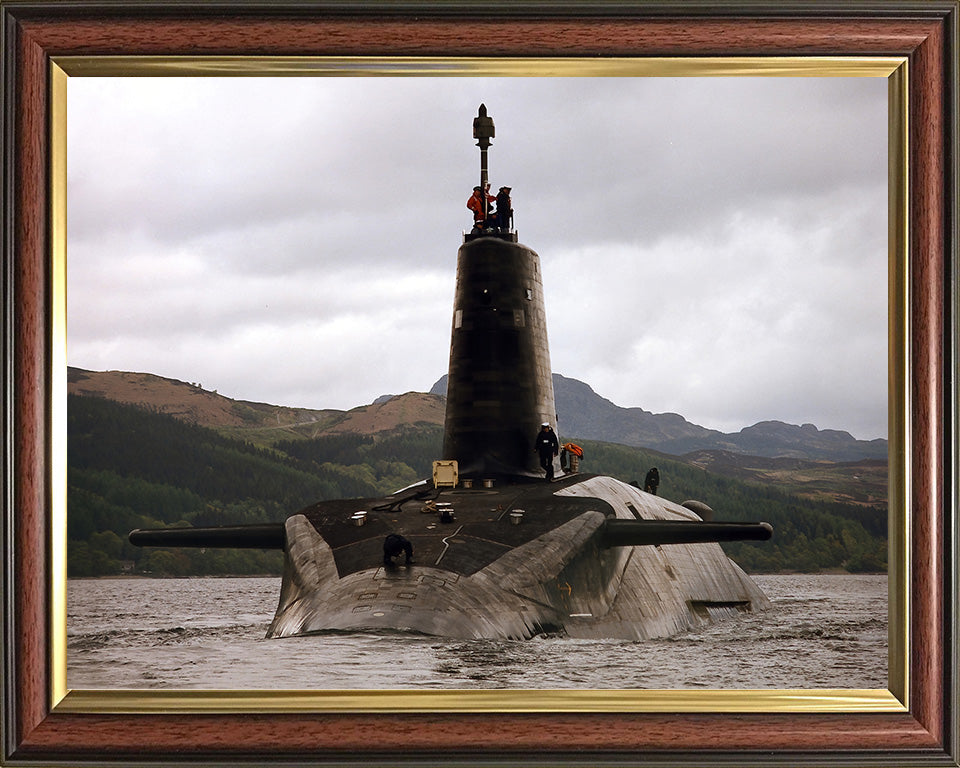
{"type": "Point", "coordinates": [37, 731]}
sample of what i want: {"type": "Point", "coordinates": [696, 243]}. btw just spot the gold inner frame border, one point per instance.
{"type": "Point", "coordinates": [892, 699]}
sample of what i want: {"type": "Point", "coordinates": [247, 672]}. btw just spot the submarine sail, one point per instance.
{"type": "Point", "coordinates": [500, 384]}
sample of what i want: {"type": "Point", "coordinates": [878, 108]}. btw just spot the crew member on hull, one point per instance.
{"type": "Point", "coordinates": [504, 209]}
{"type": "Point", "coordinates": [481, 203]}
{"type": "Point", "coordinates": [652, 481]}
{"type": "Point", "coordinates": [393, 545]}
{"type": "Point", "coordinates": [547, 446]}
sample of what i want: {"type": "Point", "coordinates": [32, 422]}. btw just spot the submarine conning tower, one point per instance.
{"type": "Point", "coordinates": [500, 385]}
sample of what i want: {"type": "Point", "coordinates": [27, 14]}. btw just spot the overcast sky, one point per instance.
{"type": "Point", "coordinates": [714, 247]}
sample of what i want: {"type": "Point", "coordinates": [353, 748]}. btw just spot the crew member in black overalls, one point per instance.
{"type": "Point", "coordinates": [547, 446]}
{"type": "Point", "coordinates": [393, 545]}
{"type": "Point", "coordinates": [652, 481]}
{"type": "Point", "coordinates": [504, 209]}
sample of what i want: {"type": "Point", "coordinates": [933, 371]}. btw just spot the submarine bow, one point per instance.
{"type": "Point", "coordinates": [563, 567]}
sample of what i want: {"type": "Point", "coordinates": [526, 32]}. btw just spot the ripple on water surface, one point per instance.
{"type": "Point", "coordinates": [823, 631]}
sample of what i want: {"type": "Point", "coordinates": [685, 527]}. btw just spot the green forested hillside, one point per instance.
{"type": "Point", "coordinates": [808, 536]}
{"type": "Point", "coordinates": [130, 468]}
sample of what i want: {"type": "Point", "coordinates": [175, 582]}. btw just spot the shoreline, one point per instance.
{"type": "Point", "coordinates": [115, 577]}
{"type": "Point", "coordinates": [118, 576]}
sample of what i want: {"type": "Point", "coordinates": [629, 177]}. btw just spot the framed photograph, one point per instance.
{"type": "Point", "coordinates": [912, 50]}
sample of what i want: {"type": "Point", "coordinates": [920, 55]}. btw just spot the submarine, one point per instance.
{"type": "Point", "coordinates": [496, 544]}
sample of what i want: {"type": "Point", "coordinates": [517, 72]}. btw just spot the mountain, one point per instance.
{"type": "Point", "coordinates": [130, 467]}
{"type": "Point", "coordinates": [148, 451]}
{"type": "Point", "coordinates": [584, 414]}
{"type": "Point", "coordinates": [187, 402]}
{"type": "Point", "coordinates": [255, 422]}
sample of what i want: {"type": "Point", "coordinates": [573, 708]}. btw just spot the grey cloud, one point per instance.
{"type": "Point", "coordinates": [243, 207]}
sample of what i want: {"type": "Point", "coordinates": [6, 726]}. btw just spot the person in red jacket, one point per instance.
{"type": "Point", "coordinates": [480, 203]}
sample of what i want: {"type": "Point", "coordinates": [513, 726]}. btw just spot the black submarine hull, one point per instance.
{"type": "Point", "coordinates": [517, 560]}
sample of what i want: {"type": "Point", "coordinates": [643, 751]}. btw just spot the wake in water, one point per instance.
{"type": "Point", "coordinates": [822, 632]}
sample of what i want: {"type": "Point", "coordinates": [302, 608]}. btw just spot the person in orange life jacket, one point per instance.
{"type": "Point", "coordinates": [547, 446]}
{"type": "Point", "coordinates": [504, 211]}
{"type": "Point", "coordinates": [480, 203]}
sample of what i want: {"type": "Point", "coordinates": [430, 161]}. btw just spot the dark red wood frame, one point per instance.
{"type": "Point", "coordinates": [924, 32]}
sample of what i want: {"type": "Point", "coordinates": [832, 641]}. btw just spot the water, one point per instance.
{"type": "Point", "coordinates": [824, 631]}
